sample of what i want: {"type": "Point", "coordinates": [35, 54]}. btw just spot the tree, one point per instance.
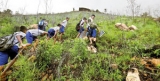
{"type": "Point", "coordinates": [22, 10]}
{"type": "Point", "coordinates": [17, 13]}
{"type": "Point", "coordinates": [5, 16]}
{"type": "Point", "coordinates": [97, 10]}
{"type": "Point", "coordinates": [144, 16]}
{"type": "Point", "coordinates": [137, 10]}
{"type": "Point", "coordinates": [105, 10]}
{"type": "Point", "coordinates": [156, 13]}
{"type": "Point", "coordinates": [73, 9]}
{"type": "Point", "coordinates": [133, 7]}
{"type": "Point", "coordinates": [1, 5]}
{"type": "Point", "coordinates": [149, 11]}
{"type": "Point", "coordinates": [48, 6]}
{"type": "Point", "coordinates": [8, 12]}
{"type": "Point", "coordinates": [38, 10]}
{"type": "Point", "coordinates": [4, 4]}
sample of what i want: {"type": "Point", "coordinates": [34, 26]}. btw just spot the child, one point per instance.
{"type": "Point", "coordinates": [32, 34]}
{"type": "Point", "coordinates": [42, 24]}
{"type": "Point", "coordinates": [13, 51]}
{"type": "Point", "coordinates": [92, 18]}
{"type": "Point", "coordinates": [81, 24]}
{"type": "Point", "coordinates": [52, 32]}
{"type": "Point", "coordinates": [92, 32]}
{"type": "Point", "coordinates": [64, 23]}
{"type": "Point", "coordinates": [62, 29]}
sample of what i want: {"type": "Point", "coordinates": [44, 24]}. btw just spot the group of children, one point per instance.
{"type": "Point", "coordinates": [91, 29]}
{"type": "Point", "coordinates": [17, 44]}
{"type": "Point", "coordinates": [31, 35]}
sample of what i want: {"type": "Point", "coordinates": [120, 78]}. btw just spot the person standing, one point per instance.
{"type": "Point", "coordinates": [64, 25]}
{"type": "Point", "coordinates": [80, 26]}
{"type": "Point", "coordinates": [90, 20]}
{"type": "Point", "coordinates": [32, 35]}
{"type": "Point", "coordinates": [65, 22]}
{"type": "Point", "coordinates": [93, 34]}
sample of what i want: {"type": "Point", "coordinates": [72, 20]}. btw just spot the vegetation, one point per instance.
{"type": "Point", "coordinates": [71, 61]}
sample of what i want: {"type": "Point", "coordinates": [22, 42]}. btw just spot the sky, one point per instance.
{"type": "Point", "coordinates": [59, 6]}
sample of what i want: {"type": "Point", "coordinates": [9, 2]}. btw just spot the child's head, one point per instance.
{"type": "Point", "coordinates": [23, 29]}
{"type": "Point", "coordinates": [85, 19]}
{"type": "Point", "coordinates": [67, 18]}
{"type": "Point", "coordinates": [59, 25]}
{"type": "Point", "coordinates": [93, 16]}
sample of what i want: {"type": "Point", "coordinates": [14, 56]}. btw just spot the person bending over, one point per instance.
{"type": "Point", "coordinates": [52, 32]}
{"type": "Point", "coordinates": [13, 51]}
{"type": "Point", "coordinates": [32, 35]}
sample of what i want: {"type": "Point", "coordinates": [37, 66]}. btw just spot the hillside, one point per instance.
{"type": "Point", "coordinates": [118, 51]}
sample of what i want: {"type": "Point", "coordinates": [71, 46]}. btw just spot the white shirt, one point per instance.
{"type": "Point", "coordinates": [64, 23]}
{"type": "Point", "coordinates": [36, 32]}
{"type": "Point", "coordinates": [45, 23]}
{"type": "Point", "coordinates": [91, 19]}
{"type": "Point", "coordinates": [88, 25]}
{"type": "Point", "coordinates": [82, 23]}
{"type": "Point", "coordinates": [21, 34]}
{"type": "Point", "coordinates": [56, 28]}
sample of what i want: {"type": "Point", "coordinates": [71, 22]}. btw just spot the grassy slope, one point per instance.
{"type": "Point", "coordinates": [115, 47]}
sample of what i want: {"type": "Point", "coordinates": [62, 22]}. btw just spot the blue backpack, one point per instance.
{"type": "Point", "coordinates": [41, 23]}
{"type": "Point", "coordinates": [78, 26]}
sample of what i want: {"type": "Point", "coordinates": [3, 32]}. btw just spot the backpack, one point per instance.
{"type": "Point", "coordinates": [6, 42]}
{"type": "Point", "coordinates": [89, 31]}
{"type": "Point", "coordinates": [41, 23]}
{"type": "Point", "coordinates": [78, 26]}
{"type": "Point", "coordinates": [91, 28]}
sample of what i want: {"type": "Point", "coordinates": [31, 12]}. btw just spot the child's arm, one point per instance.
{"type": "Point", "coordinates": [21, 43]}
{"type": "Point", "coordinates": [98, 30]}
{"type": "Point", "coordinates": [78, 35]}
{"type": "Point", "coordinates": [44, 33]}
{"type": "Point", "coordinates": [19, 39]}
{"type": "Point", "coordinates": [55, 34]}
{"type": "Point", "coordinates": [55, 37]}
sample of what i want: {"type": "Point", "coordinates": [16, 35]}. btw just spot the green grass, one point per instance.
{"type": "Point", "coordinates": [114, 47]}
